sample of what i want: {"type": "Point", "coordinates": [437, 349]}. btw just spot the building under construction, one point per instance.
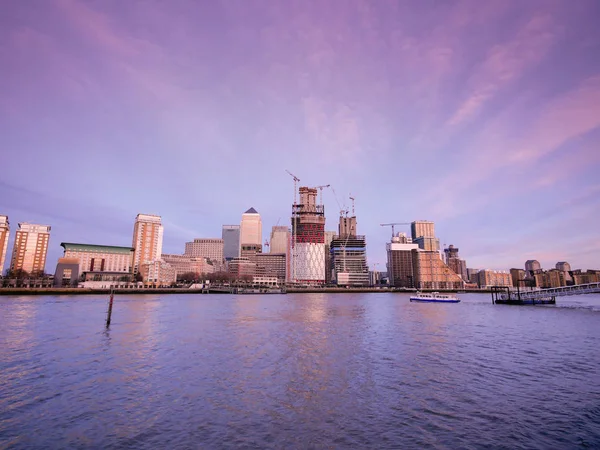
{"type": "Point", "coordinates": [349, 255]}
{"type": "Point", "coordinates": [308, 238]}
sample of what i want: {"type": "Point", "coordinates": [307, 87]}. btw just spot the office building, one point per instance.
{"type": "Point", "coordinates": [4, 234]}
{"type": "Point", "coordinates": [231, 241]}
{"type": "Point", "coordinates": [271, 265]}
{"type": "Point", "coordinates": [329, 235]}
{"type": "Point", "coordinates": [400, 265]}
{"type": "Point", "coordinates": [308, 238]}
{"type": "Point", "coordinates": [186, 264]}
{"type": "Point", "coordinates": [242, 268]}
{"type": "Point", "coordinates": [251, 228]}
{"type": "Point", "coordinates": [210, 248]}
{"type": "Point", "coordinates": [99, 258]}
{"type": "Point", "coordinates": [348, 253]}
{"type": "Point", "coordinates": [147, 239]}
{"type": "Point", "coordinates": [30, 248]}
{"type": "Point", "coordinates": [280, 240]}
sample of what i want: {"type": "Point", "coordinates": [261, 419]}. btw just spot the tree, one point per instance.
{"type": "Point", "coordinates": [188, 277]}
{"type": "Point", "coordinates": [138, 277]}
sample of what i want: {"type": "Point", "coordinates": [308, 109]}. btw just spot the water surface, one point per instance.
{"type": "Point", "coordinates": [298, 371]}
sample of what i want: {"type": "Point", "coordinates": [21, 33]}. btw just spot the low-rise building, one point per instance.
{"type": "Point", "coordinates": [488, 278]}
{"type": "Point", "coordinates": [185, 264]}
{"type": "Point", "coordinates": [210, 248]}
{"type": "Point", "coordinates": [271, 265]}
{"type": "Point", "coordinates": [99, 258]}
{"type": "Point", "coordinates": [158, 273]}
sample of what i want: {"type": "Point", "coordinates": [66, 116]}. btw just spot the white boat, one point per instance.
{"type": "Point", "coordinates": [433, 297]}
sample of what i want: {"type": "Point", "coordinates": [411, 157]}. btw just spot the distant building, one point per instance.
{"type": "Point", "coordinates": [147, 239]}
{"type": "Point", "coordinates": [400, 264]}
{"type": "Point", "coordinates": [459, 266]}
{"type": "Point", "coordinates": [30, 248]}
{"type": "Point", "coordinates": [186, 264]}
{"type": "Point", "coordinates": [4, 234]}
{"type": "Point", "coordinates": [280, 240]}
{"type": "Point", "coordinates": [423, 234]}
{"type": "Point", "coordinates": [67, 272]}
{"type": "Point", "coordinates": [210, 248]}
{"type": "Point", "coordinates": [308, 238]}
{"type": "Point", "coordinates": [241, 268]}
{"type": "Point", "coordinates": [432, 273]}
{"type": "Point", "coordinates": [158, 273]}
{"type": "Point", "coordinates": [589, 276]}
{"type": "Point", "coordinates": [231, 241]}
{"type": "Point", "coordinates": [488, 278]}
{"type": "Point", "coordinates": [348, 253]}
{"type": "Point", "coordinates": [472, 275]}
{"type": "Point", "coordinates": [518, 278]}
{"type": "Point", "coordinates": [251, 228]}
{"type": "Point", "coordinates": [565, 267]}
{"type": "Point", "coordinates": [271, 265]}
{"type": "Point", "coordinates": [329, 235]}
{"type": "Point", "coordinates": [99, 258]}
{"type": "Point", "coordinates": [532, 266]}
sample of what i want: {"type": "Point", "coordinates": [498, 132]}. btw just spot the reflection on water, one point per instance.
{"type": "Point", "coordinates": [296, 371]}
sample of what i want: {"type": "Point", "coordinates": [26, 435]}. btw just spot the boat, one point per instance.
{"type": "Point", "coordinates": [259, 290]}
{"type": "Point", "coordinates": [434, 297]}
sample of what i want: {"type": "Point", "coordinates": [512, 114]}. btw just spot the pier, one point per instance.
{"type": "Point", "coordinates": [507, 296]}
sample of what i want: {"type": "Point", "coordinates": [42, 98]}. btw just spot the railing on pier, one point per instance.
{"type": "Point", "coordinates": [504, 293]}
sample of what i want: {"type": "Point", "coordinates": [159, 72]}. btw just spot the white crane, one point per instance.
{"type": "Point", "coordinates": [295, 219]}
{"type": "Point", "coordinates": [321, 191]}
{"type": "Point", "coordinates": [352, 198]}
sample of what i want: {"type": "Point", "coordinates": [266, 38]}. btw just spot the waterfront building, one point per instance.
{"type": "Point", "coordinates": [147, 239]}
{"type": "Point", "coordinates": [99, 258]}
{"type": "Point", "coordinates": [66, 273]}
{"type": "Point", "coordinates": [487, 278]}
{"type": "Point", "coordinates": [4, 234]}
{"type": "Point", "coordinates": [348, 253]}
{"type": "Point", "coordinates": [565, 267]}
{"type": "Point", "coordinates": [158, 273]}
{"type": "Point", "coordinates": [423, 234]}
{"type": "Point", "coordinates": [431, 272]}
{"type": "Point", "coordinates": [271, 265]}
{"type": "Point", "coordinates": [30, 248]}
{"type": "Point", "coordinates": [231, 241]}
{"type": "Point", "coordinates": [590, 276]}
{"type": "Point", "coordinates": [472, 275]}
{"type": "Point", "coordinates": [532, 266]}
{"type": "Point", "coordinates": [400, 265]}
{"type": "Point", "coordinates": [242, 268]}
{"type": "Point", "coordinates": [187, 264]}
{"type": "Point", "coordinates": [308, 238]}
{"type": "Point", "coordinates": [210, 248]}
{"type": "Point", "coordinates": [329, 235]}
{"type": "Point", "coordinates": [251, 228]}
{"type": "Point", "coordinates": [459, 266]}
{"type": "Point", "coordinates": [518, 278]}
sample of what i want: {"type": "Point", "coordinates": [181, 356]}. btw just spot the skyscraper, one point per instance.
{"type": "Point", "coordinates": [423, 234]}
{"type": "Point", "coordinates": [147, 240]}
{"type": "Point", "coordinates": [30, 248]}
{"type": "Point", "coordinates": [251, 228]}
{"type": "Point", "coordinates": [4, 233]}
{"type": "Point", "coordinates": [400, 266]}
{"type": "Point", "coordinates": [231, 241]}
{"type": "Point", "coordinates": [308, 238]}
{"type": "Point", "coordinates": [280, 242]}
{"type": "Point", "coordinates": [459, 266]}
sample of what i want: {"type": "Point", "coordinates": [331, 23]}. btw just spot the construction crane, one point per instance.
{"type": "Point", "coordinates": [321, 189]}
{"type": "Point", "coordinates": [392, 225]}
{"type": "Point", "coordinates": [352, 198]}
{"type": "Point", "coordinates": [342, 210]}
{"type": "Point", "coordinates": [266, 244]}
{"type": "Point", "coordinates": [296, 180]}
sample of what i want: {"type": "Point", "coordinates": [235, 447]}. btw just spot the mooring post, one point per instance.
{"type": "Point", "coordinates": [110, 303]}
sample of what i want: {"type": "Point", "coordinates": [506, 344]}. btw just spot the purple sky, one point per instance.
{"type": "Point", "coordinates": [482, 116]}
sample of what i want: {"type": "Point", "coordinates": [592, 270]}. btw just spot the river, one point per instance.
{"type": "Point", "coordinates": [298, 371]}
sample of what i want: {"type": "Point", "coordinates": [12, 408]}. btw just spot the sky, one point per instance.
{"type": "Point", "coordinates": [481, 116]}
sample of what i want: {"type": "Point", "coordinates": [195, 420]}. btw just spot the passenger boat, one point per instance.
{"type": "Point", "coordinates": [433, 297]}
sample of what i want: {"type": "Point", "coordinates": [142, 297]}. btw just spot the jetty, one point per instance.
{"type": "Point", "coordinates": [505, 295]}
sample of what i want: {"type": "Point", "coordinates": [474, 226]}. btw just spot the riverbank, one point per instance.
{"type": "Point", "coordinates": [88, 291]}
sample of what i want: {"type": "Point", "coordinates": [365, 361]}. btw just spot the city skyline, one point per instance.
{"type": "Point", "coordinates": [482, 117]}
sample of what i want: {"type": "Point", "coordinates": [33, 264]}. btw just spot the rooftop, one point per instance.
{"type": "Point", "coordinates": [95, 248]}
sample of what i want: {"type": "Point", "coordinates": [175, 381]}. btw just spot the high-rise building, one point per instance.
{"type": "Point", "coordinates": [210, 248]}
{"type": "Point", "coordinates": [231, 241]}
{"type": "Point", "coordinates": [4, 233]}
{"type": "Point", "coordinates": [329, 235]}
{"type": "Point", "coordinates": [30, 248]}
{"type": "Point", "coordinates": [432, 273]}
{"type": "Point", "coordinates": [349, 255]}
{"type": "Point", "coordinates": [147, 240]}
{"type": "Point", "coordinates": [423, 234]}
{"type": "Point", "coordinates": [400, 264]}
{"type": "Point", "coordinates": [251, 228]}
{"type": "Point", "coordinates": [308, 238]}
{"type": "Point", "coordinates": [280, 240]}
{"type": "Point", "coordinates": [459, 266]}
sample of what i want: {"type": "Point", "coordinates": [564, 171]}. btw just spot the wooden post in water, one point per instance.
{"type": "Point", "coordinates": [110, 304]}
